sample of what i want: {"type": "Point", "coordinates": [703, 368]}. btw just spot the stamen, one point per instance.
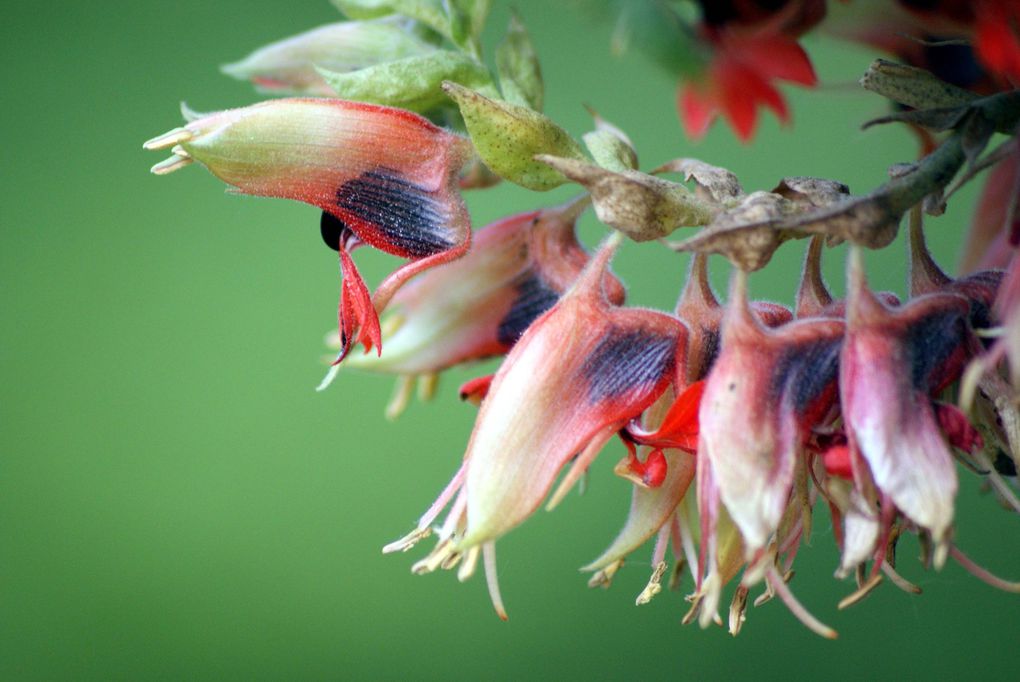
{"type": "Point", "coordinates": [579, 466]}
{"type": "Point", "coordinates": [451, 561]}
{"type": "Point", "coordinates": [1000, 485]}
{"type": "Point", "coordinates": [676, 575]}
{"type": "Point", "coordinates": [402, 392]}
{"type": "Point", "coordinates": [683, 523]}
{"type": "Point", "coordinates": [408, 541]}
{"type": "Point", "coordinates": [455, 516]}
{"type": "Point", "coordinates": [653, 587]}
{"type": "Point", "coordinates": [167, 166]}
{"type": "Point", "coordinates": [427, 385]}
{"type": "Point", "coordinates": [661, 543]}
{"type": "Point", "coordinates": [982, 573]}
{"type": "Point", "coordinates": [860, 593]}
{"type": "Point", "coordinates": [604, 578]}
{"type": "Point", "coordinates": [492, 579]}
{"type": "Point", "coordinates": [169, 139]}
{"type": "Point", "coordinates": [898, 580]}
{"type": "Point", "coordinates": [467, 569]}
{"type": "Point", "coordinates": [711, 590]}
{"type": "Point", "coordinates": [738, 610]}
{"type": "Point", "coordinates": [435, 559]}
{"type": "Point", "coordinates": [330, 376]}
{"type": "Point", "coordinates": [444, 498]}
{"type": "Point", "coordinates": [796, 608]}
{"type": "Point", "coordinates": [694, 613]}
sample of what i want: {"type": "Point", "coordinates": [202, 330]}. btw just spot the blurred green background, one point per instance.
{"type": "Point", "coordinates": [176, 502]}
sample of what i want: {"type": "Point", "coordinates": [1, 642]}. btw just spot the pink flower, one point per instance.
{"type": "Point", "coordinates": [578, 375]}
{"type": "Point", "coordinates": [382, 176]}
{"type": "Point", "coordinates": [893, 362]}
{"type": "Point", "coordinates": [478, 306]}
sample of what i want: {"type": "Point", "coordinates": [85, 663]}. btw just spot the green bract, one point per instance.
{"type": "Point", "coordinates": [641, 206]}
{"type": "Point", "coordinates": [412, 83]}
{"type": "Point", "coordinates": [520, 77]}
{"type": "Point", "coordinates": [429, 12]}
{"type": "Point", "coordinates": [508, 136]}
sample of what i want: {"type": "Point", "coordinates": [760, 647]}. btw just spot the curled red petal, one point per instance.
{"type": "Point", "coordinates": [356, 315]}
{"type": "Point", "coordinates": [957, 428]}
{"type": "Point", "coordinates": [475, 390]}
{"type": "Point", "coordinates": [679, 428]}
{"type": "Point", "coordinates": [697, 110]}
{"type": "Point", "coordinates": [837, 462]}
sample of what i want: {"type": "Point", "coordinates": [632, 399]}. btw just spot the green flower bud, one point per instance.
{"type": "Point", "coordinates": [610, 146]}
{"type": "Point", "coordinates": [412, 83]}
{"type": "Point", "coordinates": [508, 136]}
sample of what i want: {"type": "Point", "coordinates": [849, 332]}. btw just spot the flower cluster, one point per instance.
{"type": "Point", "coordinates": [742, 422]}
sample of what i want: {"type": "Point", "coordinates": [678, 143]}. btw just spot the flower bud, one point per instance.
{"type": "Point", "coordinates": [508, 136]}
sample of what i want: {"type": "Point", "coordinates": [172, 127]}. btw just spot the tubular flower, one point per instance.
{"type": "Point", "coordinates": [383, 177]}
{"type": "Point", "coordinates": [767, 391]}
{"type": "Point", "coordinates": [893, 362]}
{"type": "Point", "coordinates": [671, 432]}
{"type": "Point", "coordinates": [578, 375]}
{"type": "Point", "coordinates": [741, 77]}
{"type": "Point", "coordinates": [479, 305]}
{"type": "Point", "coordinates": [657, 509]}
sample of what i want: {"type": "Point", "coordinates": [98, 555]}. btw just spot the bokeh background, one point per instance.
{"type": "Point", "coordinates": [176, 502]}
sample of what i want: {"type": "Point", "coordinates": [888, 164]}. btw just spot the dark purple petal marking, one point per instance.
{"type": "Point", "coordinates": [803, 372]}
{"type": "Point", "coordinates": [332, 230]}
{"type": "Point", "coordinates": [979, 289]}
{"type": "Point", "coordinates": [533, 299]}
{"type": "Point", "coordinates": [626, 359]}
{"type": "Point", "coordinates": [411, 219]}
{"type": "Point", "coordinates": [710, 344]}
{"type": "Point", "coordinates": [931, 342]}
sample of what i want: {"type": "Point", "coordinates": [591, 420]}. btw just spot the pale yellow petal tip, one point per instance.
{"type": "Point", "coordinates": [167, 166]}
{"type": "Point", "coordinates": [190, 114]}
{"type": "Point", "coordinates": [168, 139]}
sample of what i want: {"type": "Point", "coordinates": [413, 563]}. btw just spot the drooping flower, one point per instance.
{"type": "Point", "coordinates": [382, 176]}
{"type": "Point", "coordinates": [579, 374]}
{"type": "Point", "coordinates": [288, 66]}
{"type": "Point", "coordinates": [478, 306]}
{"type": "Point", "coordinates": [740, 77]}
{"type": "Point", "coordinates": [766, 392]}
{"type": "Point", "coordinates": [893, 362]}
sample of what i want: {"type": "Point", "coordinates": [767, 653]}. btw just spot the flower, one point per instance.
{"type": "Point", "coordinates": [579, 374]}
{"type": "Point", "coordinates": [766, 392]}
{"type": "Point", "coordinates": [383, 177]}
{"type": "Point", "coordinates": [740, 77]}
{"type": "Point", "coordinates": [893, 362]}
{"type": "Point", "coordinates": [478, 306]}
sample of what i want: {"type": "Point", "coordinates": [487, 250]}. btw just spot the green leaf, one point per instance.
{"type": "Point", "coordinates": [412, 83]}
{"type": "Point", "coordinates": [288, 65]}
{"type": "Point", "coordinates": [429, 12]}
{"type": "Point", "coordinates": [610, 146]}
{"type": "Point", "coordinates": [508, 136]}
{"type": "Point", "coordinates": [467, 19]}
{"type": "Point", "coordinates": [520, 76]}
